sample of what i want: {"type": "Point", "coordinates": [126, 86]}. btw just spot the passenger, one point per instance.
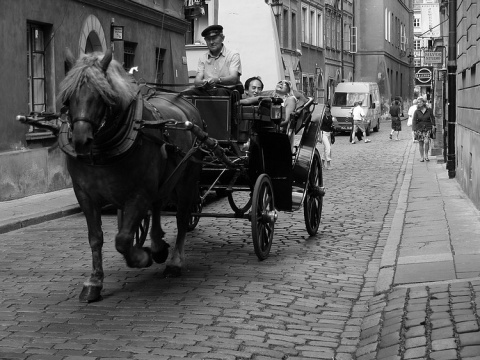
{"type": "Point", "coordinates": [253, 88]}
{"type": "Point", "coordinates": [283, 90]}
{"type": "Point", "coordinates": [218, 66]}
{"type": "Point", "coordinates": [358, 121]}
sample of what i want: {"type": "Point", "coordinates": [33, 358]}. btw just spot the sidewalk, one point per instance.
{"type": "Point", "coordinates": [426, 303]}
{"type": "Point", "coordinates": [35, 209]}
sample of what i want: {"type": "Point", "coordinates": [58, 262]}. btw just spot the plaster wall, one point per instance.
{"type": "Point", "coordinates": [29, 172]}
{"type": "Point", "coordinates": [251, 30]}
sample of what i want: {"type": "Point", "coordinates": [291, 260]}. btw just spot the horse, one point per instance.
{"type": "Point", "coordinates": [114, 160]}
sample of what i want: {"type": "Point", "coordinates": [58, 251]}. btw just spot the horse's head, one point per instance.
{"type": "Point", "coordinates": [95, 90]}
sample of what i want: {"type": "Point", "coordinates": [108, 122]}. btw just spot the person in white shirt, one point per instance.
{"type": "Point", "coordinates": [411, 111]}
{"type": "Point", "coordinates": [358, 121]}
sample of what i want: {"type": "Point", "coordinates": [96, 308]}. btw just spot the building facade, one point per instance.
{"type": "Point", "coordinates": [384, 45]}
{"type": "Point", "coordinates": [464, 164]}
{"type": "Point", "coordinates": [340, 46]}
{"type": "Point", "coordinates": [35, 34]}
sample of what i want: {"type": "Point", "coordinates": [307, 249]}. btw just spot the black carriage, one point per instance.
{"type": "Point", "coordinates": [276, 174]}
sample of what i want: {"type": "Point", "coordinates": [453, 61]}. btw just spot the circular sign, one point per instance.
{"type": "Point", "coordinates": [424, 75]}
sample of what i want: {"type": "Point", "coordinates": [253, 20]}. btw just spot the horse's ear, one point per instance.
{"type": "Point", "coordinates": [106, 60]}
{"type": "Point", "coordinates": [69, 59]}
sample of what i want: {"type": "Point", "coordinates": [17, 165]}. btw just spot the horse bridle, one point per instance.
{"type": "Point", "coordinates": [96, 128]}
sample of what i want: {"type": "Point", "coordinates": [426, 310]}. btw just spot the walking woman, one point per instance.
{"type": "Point", "coordinates": [423, 124]}
{"type": "Point", "coordinates": [396, 122]}
{"type": "Point", "coordinates": [327, 138]}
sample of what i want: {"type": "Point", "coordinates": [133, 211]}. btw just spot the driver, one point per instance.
{"type": "Point", "coordinates": [218, 66]}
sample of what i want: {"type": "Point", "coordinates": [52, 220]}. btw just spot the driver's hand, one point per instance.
{"type": "Point", "coordinates": [211, 81]}
{"type": "Point", "coordinates": [203, 83]}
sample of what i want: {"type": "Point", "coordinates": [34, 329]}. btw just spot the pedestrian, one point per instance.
{"type": "Point", "coordinates": [358, 122]}
{"type": "Point", "coordinates": [411, 111]}
{"type": "Point", "coordinates": [396, 121]}
{"type": "Point", "coordinates": [423, 124]}
{"type": "Point", "coordinates": [327, 137]}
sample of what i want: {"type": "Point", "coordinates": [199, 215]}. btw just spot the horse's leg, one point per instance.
{"type": "Point", "coordinates": [93, 287]}
{"type": "Point", "coordinates": [187, 193]}
{"type": "Point", "coordinates": [134, 211]}
{"type": "Point", "coordinates": [159, 246]}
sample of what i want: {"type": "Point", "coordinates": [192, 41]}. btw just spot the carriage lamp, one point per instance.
{"type": "Point", "coordinates": [276, 112]}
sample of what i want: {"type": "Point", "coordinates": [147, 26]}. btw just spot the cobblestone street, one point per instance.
{"type": "Point", "coordinates": [306, 301]}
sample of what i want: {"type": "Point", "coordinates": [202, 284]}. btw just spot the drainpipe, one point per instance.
{"type": "Point", "coordinates": [342, 36]}
{"type": "Point", "coordinates": [452, 88]}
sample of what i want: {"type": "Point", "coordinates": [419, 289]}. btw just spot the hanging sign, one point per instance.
{"type": "Point", "coordinates": [116, 33]}
{"type": "Point", "coordinates": [423, 75]}
{"type": "Point", "coordinates": [433, 57]}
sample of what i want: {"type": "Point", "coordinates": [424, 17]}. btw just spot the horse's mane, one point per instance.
{"type": "Point", "coordinates": [115, 87]}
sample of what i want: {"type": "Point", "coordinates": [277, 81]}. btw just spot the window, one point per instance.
{"type": "Point", "coordinates": [416, 22]}
{"type": "Point", "coordinates": [36, 68]}
{"type": "Point", "coordinates": [346, 37]}
{"type": "Point", "coordinates": [328, 30]}
{"type": "Point", "coordinates": [294, 30]}
{"type": "Point", "coordinates": [353, 47]}
{"type": "Point", "coordinates": [304, 25]}
{"type": "Point", "coordinates": [129, 54]}
{"type": "Point", "coordinates": [319, 30]}
{"type": "Point", "coordinates": [417, 44]}
{"type": "Point", "coordinates": [159, 59]}
{"type": "Point", "coordinates": [386, 24]}
{"type": "Point", "coordinates": [312, 29]}
{"type": "Point", "coordinates": [285, 31]}
{"type": "Point", "coordinates": [339, 34]}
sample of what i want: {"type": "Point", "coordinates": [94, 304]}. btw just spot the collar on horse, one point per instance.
{"type": "Point", "coordinates": [111, 141]}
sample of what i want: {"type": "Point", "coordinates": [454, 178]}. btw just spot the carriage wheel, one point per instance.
{"type": "Point", "coordinates": [142, 231]}
{"type": "Point", "coordinates": [239, 210]}
{"type": "Point", "coordinates": [193, 221]}
{"type": "Point", "coordinates": [313, 203]}
{"type": "Point", "coordinates": [263, 216]}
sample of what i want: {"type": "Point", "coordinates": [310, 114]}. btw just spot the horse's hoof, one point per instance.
{"type": "Point", "coordinates": [90, 294]}
{"type": "Point", "coordinates": [140, 258]}
{"type": "Point", "coordinates": [161, 256]}
{"type": "Point", "coordinates": [172, 271]}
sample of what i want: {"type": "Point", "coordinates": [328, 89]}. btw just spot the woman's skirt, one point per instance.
{"type": "Point", "coordinates": [396, 124]}
{"type": "Point", "coordinates": [422, 135]}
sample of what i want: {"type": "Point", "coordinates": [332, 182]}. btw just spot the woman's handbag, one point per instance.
{"type": "Point", "coordinates": [433, 133]}
{"type": "Point", "coordinates": [332, 138]}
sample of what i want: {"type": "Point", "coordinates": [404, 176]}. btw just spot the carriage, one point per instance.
{"type": "Point", "coordinates": [186, 146]}
{"type": "Point", "coordinates": [275, 174]}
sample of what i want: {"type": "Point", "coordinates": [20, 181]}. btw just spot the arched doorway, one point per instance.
{"type": "Point", "coordinates": [92, 37]}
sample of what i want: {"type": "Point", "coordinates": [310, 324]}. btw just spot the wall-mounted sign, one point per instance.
{"type": "Point", "coordinates": [116, 33]}
{"type": "Point", "coordinates": [433, 57]}
{"type": "Point", "coordinates": [423, 75]}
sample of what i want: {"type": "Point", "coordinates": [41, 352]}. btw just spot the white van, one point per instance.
{"type": "Point", "coordinates": [346, 94]}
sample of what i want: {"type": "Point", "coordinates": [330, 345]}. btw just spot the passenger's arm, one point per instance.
{"type": "Point", "coordinates": [290, 105]}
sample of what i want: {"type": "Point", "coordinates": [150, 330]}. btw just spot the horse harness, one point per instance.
{"type": "Point", "coordinates": [114, 142]}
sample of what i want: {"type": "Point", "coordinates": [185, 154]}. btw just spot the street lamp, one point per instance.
{"type": "Point", "coordinates": [276, 7]}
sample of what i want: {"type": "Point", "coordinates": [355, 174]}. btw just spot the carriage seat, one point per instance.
{"type": "Point", "coordinates": [302, 115]}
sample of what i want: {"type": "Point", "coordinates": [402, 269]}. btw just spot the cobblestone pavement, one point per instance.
{"type": "Point", "coordinates": [306, 301]}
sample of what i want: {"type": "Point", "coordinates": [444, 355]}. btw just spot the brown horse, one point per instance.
{"type": "Point", "coordinates": [114, 160]}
